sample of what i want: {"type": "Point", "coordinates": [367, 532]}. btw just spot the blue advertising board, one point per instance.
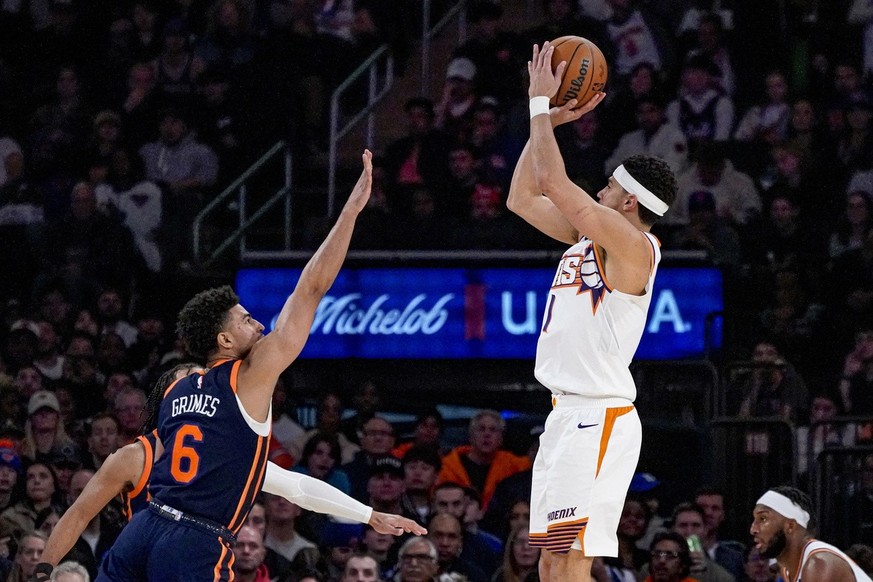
{"type": "Point", "coordinates": [448, 313]}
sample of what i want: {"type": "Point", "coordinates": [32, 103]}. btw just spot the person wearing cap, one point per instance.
{"type": "Point", "coordinates": [421, 466]}
{"type": "Point", "coordinates": [454, 112]}
{"type": "Point", "coordinates": [386, 487]}
{"type": "Point", "coordinates": [594, 319]}
{"type": "Point", "coordinates": [338, 542]}
{"type": "Point", "coordinates": [43, 430]}
{"type": "Point", "coordinates": [782, 528]}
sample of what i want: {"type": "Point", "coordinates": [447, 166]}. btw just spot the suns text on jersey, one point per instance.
{"type": "Point", "coordinates": [196, 403]}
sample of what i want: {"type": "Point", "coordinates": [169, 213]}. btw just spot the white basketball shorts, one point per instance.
{"type": "Point", "coordinates": [587, 457]}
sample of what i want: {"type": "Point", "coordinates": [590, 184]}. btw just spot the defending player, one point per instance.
{"type": "Point", "coordinates": [215, 427]}
{"type": "Point", "coordinates": [594, 319]}
{"type": "Point", "coordinates": [127, 472]}
{"type": "Point", "coordinates": [781, 523]}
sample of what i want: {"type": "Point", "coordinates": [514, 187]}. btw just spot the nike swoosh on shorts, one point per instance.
{"type": "Point", "coordinates": [580, 425]}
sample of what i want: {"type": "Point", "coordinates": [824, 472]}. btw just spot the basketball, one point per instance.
{"type": "Point", "coordinates": [586, 69]}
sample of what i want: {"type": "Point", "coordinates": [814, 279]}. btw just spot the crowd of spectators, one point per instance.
{"type": "Point", "coordinates": [120, 120]}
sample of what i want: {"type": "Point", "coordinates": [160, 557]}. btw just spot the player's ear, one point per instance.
{"type": "Point", "coordinates": [224, 340]}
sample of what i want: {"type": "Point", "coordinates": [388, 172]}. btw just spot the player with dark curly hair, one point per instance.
{"type": "Point", "coordinates": [782, 527]}
{"type": "Point", "coordinates": [215, 427]}
{"type": "Point", "coordinates": [595, 317]}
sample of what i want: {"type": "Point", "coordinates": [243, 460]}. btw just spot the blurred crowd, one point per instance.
{"type": "Point", "coordinates": [119, 120]}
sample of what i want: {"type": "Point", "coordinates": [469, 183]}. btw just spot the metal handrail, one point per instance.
{"type": "Point", "coordinates": [428, 33]}
{"type": "Point", "coordinates": [374, 97]}
{"type": "Point", "coordinates": [238, 188]}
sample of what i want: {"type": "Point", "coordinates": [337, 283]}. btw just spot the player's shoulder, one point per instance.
{"type": "Point", "coordinates": [826, 564]}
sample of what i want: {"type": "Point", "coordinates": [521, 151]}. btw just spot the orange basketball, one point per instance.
{"type": "Point", "coordinates": [586, 69]}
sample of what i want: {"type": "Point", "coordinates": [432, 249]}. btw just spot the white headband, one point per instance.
{"type": "Point", "coordinates": [645, 197]}
{"type": "Point", "coordinates": [781, 504]}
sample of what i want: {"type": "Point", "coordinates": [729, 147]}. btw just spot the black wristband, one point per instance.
{"type": "Point", "coordinates": [42, 572]}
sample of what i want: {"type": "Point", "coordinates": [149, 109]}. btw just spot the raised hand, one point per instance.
{"type": "Point", "coordinates": [361, 192]}
{"type": "Point", "coordinates": [544, 81]}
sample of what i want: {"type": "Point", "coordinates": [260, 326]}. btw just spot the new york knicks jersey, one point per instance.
{"type": "Point", "coordinates": [139, 496]}
{"type": "Point", "coordinates": [590, 331]}
{"type": "Point", "coordinates": [213, 461]}
{"type": "Point", "coordinates": [814, 546]}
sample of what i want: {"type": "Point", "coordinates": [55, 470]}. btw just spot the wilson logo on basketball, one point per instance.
{"type": "Point", "coordinates": [576, 84]}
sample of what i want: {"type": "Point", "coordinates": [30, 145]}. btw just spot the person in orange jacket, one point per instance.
{"type": "Point", "coordinates": [482, 464]}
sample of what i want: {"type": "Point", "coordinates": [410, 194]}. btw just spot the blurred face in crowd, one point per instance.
{"type": "Point", "coordinates": [688, 523]}
{"type": "Point", "coordinates": [44, 420]}
{"type": "Point", "coordinates": [280, 510]}
{"type": "Point", "coordinates": [377, 436]}
{"type": "Point", "coordinates": [802, 116]}
{"type": "Point", "coordinates": [115, 384]}
{"type": "Point", "coordinates": [757, 568]}
{"type": "Point", "coordinates": [428, 431]}
{"type": "Point", "coordinates": [29, 554]}
{"type": "Point", "coordinates": [27, 381]}
{"type": "Point", "coordinates": [49, 523]}
{"type": "Point", "coordinates": [129, 407]}
{"type": "Point", "coordinates": [40, 485]}
{"type": "Point", "coordinates": [633, 522]}
{"type": "Point", "coordinates": [713, 511]}
{"type": "Point", "coordinates": [172, 130]}
{"type": "Point", "coordinates": [524, 556]}
{"type": "Point", "coordinates": [519, 514]}
{"type": "Point", "coordinates": [78, 482]}
{"type": "Point", "coordinates": [450, 500]}
{"type": "Point", "coordinates": [777, 87]}
{"type": "Point", "coordinates": [376, 542]}
{"type": "Point", "coordinates": [445, 532]}
{"type": "Point", "coordinates": [649, 116]}
{"type": "Point", "coordinates": [248, 550]}
{"type": "Point", "coordinates": [361, 569]}
{"type": "Point", "coordinates": [385, 487]}
{"type": "Point", "coordinates": [257, 518]}
{"type": "Point", "coordinates": [665, 564]}
{"type": "Point", "coordinates": [48, 338]}
{"type": "Point", "coordinates": [103, 440]}
{"type": "Point", "coordinates": [321, 461]}
{"type": "Point", "coordinates": [462, 163]}
{"type": "Point", "coordinates": [822, 408]}
{"type": "Point", "coordinates": [486, 435]}
{"type": "Point", "coordinates": [420, 476]}
{"type": "Point", "coordinates": [417, 564]}
{"type": "Point", "coordinates": [8, 479]}
{"type": "Point", "coordinates": [419, 119]}
{"type": "Point", "coordinates": [329, 413]}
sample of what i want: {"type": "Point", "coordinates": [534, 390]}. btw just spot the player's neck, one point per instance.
{"type": "Point", "coordinates": [789, 559]}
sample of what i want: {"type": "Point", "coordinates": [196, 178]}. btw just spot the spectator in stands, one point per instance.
{"type": "Point", "coordinates": [861, 503]}
{"type": "Point", "coordinates": [563, 18]}
{"type": "Point", "coordinates": [813, 436]}
{"type": "Point", "coordinates": [328, 419]}
{"type": "Point", "coordinates": [856, 383]}
{"type": "Point", "coordinates": [176, 66]}
{"type": "Point", "coordinates": [110, 309]}
{"type": "Point", "coordinates": [702, 113]}
{"type": "Point", "coordinates": [852, 275]}
{"type": "Point", "coordinates": [417, 561]}
{"type": "Point", "coordinates": [791, 177]}
{"type": "Point", "coordinates": [631, 526]}
{"type": "Point", "coordinates": [128, 407]}
{"type": "Point", "coordinates": [230, 41]}
{"type": "Point", "coordinates": [377, 440]}
{"type": "Point", "coordinates": [670, 560]}
{"type": "Point", "coordinates": [756, 568]}
{"type": "Point", "coordinates": [386, 487]}
{"type": "Point", "coordinates": [49, 361]}
{"type": "Point", "coordinates": [321, 459]}
{"type": "Point", "coordinates": [479, 547]}
{"type": "Point", "coordinates": [224, 124]}
{"type": "Point", "coordinates": [81, 374]}
{"type": "Point", "coordinates": [41, 492]}
{"type": "Point", "coordinates": [768, 120]}
{"type": "Point", "coordinates": [736, 197]}
{"type": "Point", "coordinates": [427, 432]}
{"type": "Point", "coordinates": [140, 104]}
{"type": "Point", "coordinates": [43, 430]}
{"type": "Point", "coordinates": [102, 439]}
{"type": "Point", "coordinates": [688, 520]}
{"type": "Point", "coordinates": [447, 534]}
{"type": "Point", "coordinates": [10, 469]}
{"type": "Point", "coordinates": [497, 147]}
{"type": "Point", "coordinates": [339, 541]}
{"type": "Point", "coordinates": [853, 224]}
{"type": "Point", "coordinates": [65, 460]}
{"type": "Point", "coordinates": [418, 158]}
{"type": "Point", "coordinates": [281, 535]}
{"type": "Point", "coordinates": [582, 144]}
{"type": "Point", "coordinates": [773, 388]}
{"type": "Point", "coordinates": [381, 547]}
{"type": "Point", "coordinates": [249, 552]}
{"type": "Point", "coordinates": [510, 491]}
{"type": "Point", "coordinates": [285, 426]}
{"type": "Point", "coordinates": [638, 37]}
{"type": "Point", "coordinates": [710, 43]}
{"type": "Point", "coordinates": [706, 232]}
{"type": "Point", "coordinates": [454, 112]}
{"type": "Point", "coordinates": [421, 466]}
{"type": "Point", "coordinates": [28, 381]}
{"type": "Point", "coordinates": [482, 464]}
{"type": "Point", "coordinates": [805, 130]}
{"type": "Point", "coordinates": [361, 568]}
{"type": "Point", "coordinates": [726, 553]}
{"type": "Point", "coordinates": [28, 555]}
{"type": "Point", "coordinates": [654, 136]}
{"type": "Point", "coordinates": [70, 571]}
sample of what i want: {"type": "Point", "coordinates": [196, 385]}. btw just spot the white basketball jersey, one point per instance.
{"type": "Point", "coordinates": [591, 331]}
{"type": "Point", "coordinates": [815, 546]}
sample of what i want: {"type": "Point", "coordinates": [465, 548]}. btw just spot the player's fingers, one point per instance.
{"type": "Point", "coordinates": [559, 70]}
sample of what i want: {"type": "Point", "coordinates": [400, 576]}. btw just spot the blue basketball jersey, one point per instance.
{"type": "Point", "coordinates": [138, 497]}
{"type": "Point", "coordinates": [213, 462]}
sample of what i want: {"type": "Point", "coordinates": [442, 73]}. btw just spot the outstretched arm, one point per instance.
{"type": "Point", "coordinates": [316, 495]}
{"type": "Point", "coordinates": [270, 356]}
{"type": "Point", "coordinates": [121, 469]}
